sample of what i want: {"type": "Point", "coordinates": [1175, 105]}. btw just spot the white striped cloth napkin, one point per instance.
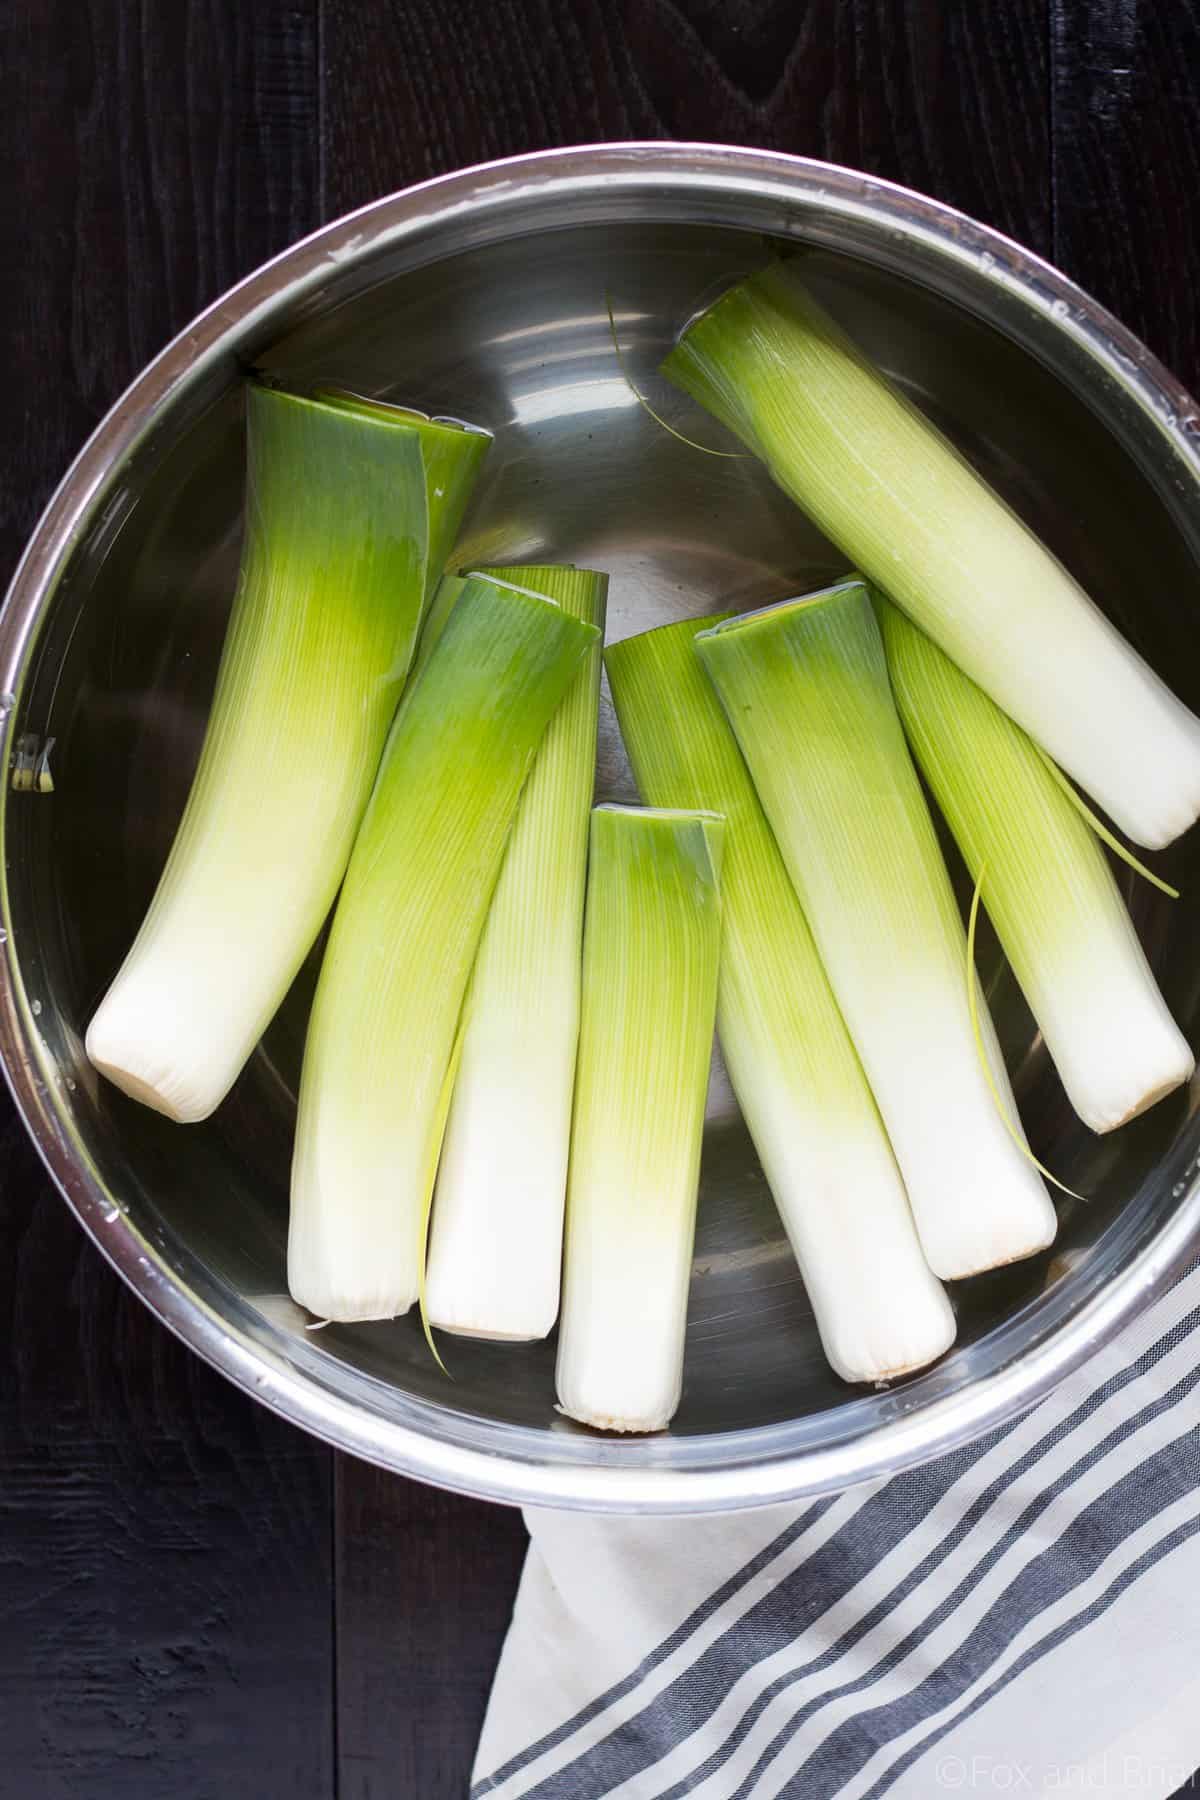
{"type": "Point", "coordinates": [1020, 1617]}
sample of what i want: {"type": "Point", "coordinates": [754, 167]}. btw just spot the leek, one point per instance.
{"type": "Point", "coordinates": [442, 605]}
{"type": "Point", "coordinates": [793, 1067]}
{"type": "Point", "coordinates": [1049, 889]}
{"type": "Point", "coordinates": [496, 1246]}
{"type": "Point", "coordinates": [910, 512]}
{"type": "Point", "coordinates": [329, 599]}
{"type": "Point", "coordinates": [805, 687]}
{"type": "Point", "coordinates": [652, 942]}
{"type": "Point", "coordinates": [386, 1013]}
{"type": "Point", "coordinates": [453, 455]}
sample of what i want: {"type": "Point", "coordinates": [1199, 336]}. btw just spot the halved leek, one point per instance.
{"type": "Point", "coordinates": [651, 950]}
{"type": "Point", "coordinates": [909, 511]}
{"type": "Point", "coordinates": [794, 1069]}
{"type": "Point", "coordinates": [805, 687]}
{"type": "Point", "coordinates": [1048, 888]}
{"type": "Point", "coordinates": [323, 627]}
{"type": "Point", "coordinates": [453, 454]}
{"type": "Point", "coordinates": [445, 599]}
{"type": "Point", "coordinates": [495, 1250]}
{"type": "Point", "coordinates": [407, 925]}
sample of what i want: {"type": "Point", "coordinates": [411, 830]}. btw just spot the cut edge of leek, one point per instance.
{"type": "Point", "coordinates": [445, 443]}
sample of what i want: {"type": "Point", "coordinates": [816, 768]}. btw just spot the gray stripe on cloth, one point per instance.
{"type": "Point", "coordinates": [896, 1652]}
{"type": "Point", "coordinates": [886, 1519]}
{"type": "Point", "coordinates": [1136, 1498]}
{"type": "Point", "coordinates": [659, 1654]}
{"type": "Point", "coordinates": [1070, 1628]}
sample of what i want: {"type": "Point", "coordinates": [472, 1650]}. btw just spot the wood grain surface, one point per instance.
{"type": "Point", "coordinates": [195, 1599]}
{"type": "Point", "coordinates": [166, 1546]}
{"type": "Point", "coordinates": [1126, 86]}
{"type": "Point", "coordinates": [425, 1582]}
{"type": "Point", "coordinates": [951, 96]}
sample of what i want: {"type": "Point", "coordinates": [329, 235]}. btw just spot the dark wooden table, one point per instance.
{"type": "Point", "coordinates": [196, 1600]}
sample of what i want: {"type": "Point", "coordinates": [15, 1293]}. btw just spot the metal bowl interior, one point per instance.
{"type": "Point", "coordinates": [487, 301]}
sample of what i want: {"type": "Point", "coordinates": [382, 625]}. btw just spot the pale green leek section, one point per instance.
{"type": "Point", "coordinates": [444, 601]}
{"type": "Point", "coordinates": [453, 456]}
{"type": "Point", "coordinates": [794, 1069]}
{"type": "Point", "coordinates": [805, 687]}
{"type": "Point", "coordinates": [909, 511]}
{"type": "Point", "coordinates": [496, 1246]}
{"type": "Point", "coordinates": [652, 944]}
{"type": "Point", "coordinates": [1048, 889]}
{"type": "Point", "coordinates": [446, 596]}
{"type": "Point", "coordinates": [323, 627]}
{"type": "Point", "coordinates": [404, 935]}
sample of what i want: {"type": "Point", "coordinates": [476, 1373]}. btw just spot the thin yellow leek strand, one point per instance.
{"type": "Point", "coordinates": [985, 1065]}
{"type": "Point", "coordinates": [733, 455]}
{"type": "Point", "coordinates": [1101, 829]}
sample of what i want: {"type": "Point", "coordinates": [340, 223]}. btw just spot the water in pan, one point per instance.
{"type": "Point", "coordinates": [517, 338]}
